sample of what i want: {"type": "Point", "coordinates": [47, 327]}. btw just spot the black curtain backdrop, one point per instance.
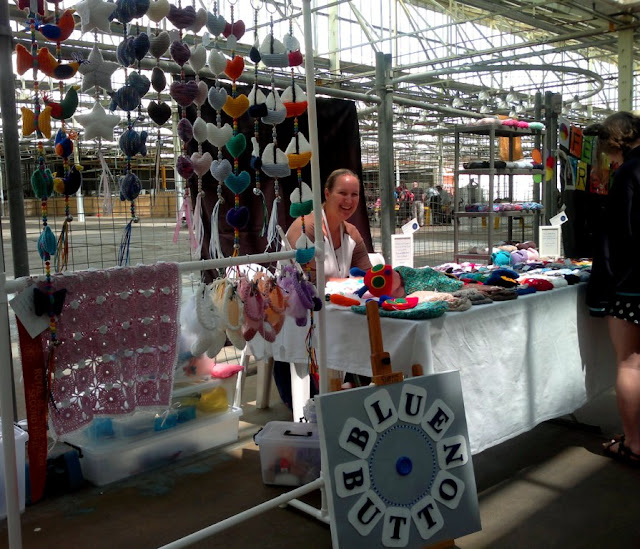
{"type": "Point", "coordinates": [339, 147]}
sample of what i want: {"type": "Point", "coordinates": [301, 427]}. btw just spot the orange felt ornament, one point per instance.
{"type": "Point", "coordinates": [343, 300]}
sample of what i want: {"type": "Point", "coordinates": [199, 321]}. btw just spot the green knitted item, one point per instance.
{"type": "Point", "coordinates": [422, 311]}
{"type": "Point", "coordinates": [427, 279]}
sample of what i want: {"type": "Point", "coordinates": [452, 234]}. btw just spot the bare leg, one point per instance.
{"type": "Point", "coordinates": [625, 337]}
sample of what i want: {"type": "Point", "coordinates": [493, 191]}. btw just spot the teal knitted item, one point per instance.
{"type": "Point", "coordinates": [427, 279]}
{"type": "Point", "coordinates": [422, 311]}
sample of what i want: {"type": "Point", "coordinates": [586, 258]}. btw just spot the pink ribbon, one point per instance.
{"type": "Point", "coordinates": [185, 210]}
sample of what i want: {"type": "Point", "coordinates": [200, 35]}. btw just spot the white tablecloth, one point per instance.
{"type": "Point", "coordinates": [521, 362]}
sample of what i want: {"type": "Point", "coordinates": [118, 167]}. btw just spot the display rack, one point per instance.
{"type": "Point", "coordinates": [489, 134]}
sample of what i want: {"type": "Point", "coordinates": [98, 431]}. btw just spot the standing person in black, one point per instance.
{"type": "Point", "coordinates": [614, 286]}
{"type": "Point", "coordinates": [417, 207]}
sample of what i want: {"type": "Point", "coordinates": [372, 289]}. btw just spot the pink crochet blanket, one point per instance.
{"type": "Point", "coordinates": [118, 331]}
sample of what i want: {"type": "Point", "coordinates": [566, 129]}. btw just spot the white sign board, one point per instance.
{"type": "Point", "coordinates": [549, 241]}
{"type": "Point", "coordinates": [402, 250]}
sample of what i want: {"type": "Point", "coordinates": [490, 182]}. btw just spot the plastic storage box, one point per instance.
{"type": "Point", "coordinates": [109, 459]}
{"type": "Point", "coordinates": [289, 453]}
{"type": "Point", "coordinates": [21, 438]}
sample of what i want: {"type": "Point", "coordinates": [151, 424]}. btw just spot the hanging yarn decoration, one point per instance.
{"type": "Point", "coordinates": [130, 52]}
{"type": "Point", "coordinates": [184, 93]}
{"type": "Point", "coordinates": [158, 110]}
{"type": "Point", "coordinates": [257, 109]}
{"type": "Point", "coordinates": [235, 106]}
{"type": "Point", "coordinates": [217, 134]}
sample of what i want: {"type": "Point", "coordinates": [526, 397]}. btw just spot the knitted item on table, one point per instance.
{"type": "Point", "coordinates": [540, 284]}
{"type": "Point", "coordinates": [524, 289]}
{"type": "Point", "coordinates": [427, 279]}
{"type": "Point", "coordinates": [497, 293]}
{"type": "Point", "coordinates": [459, 304]}
{"type": "Point", "coordinates": [422, 311]}
{"type": "Point", "coordinates": [119, 337]}
{"type": "Point", "coordinates": [476, 297]}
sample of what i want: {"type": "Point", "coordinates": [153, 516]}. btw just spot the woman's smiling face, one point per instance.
{"type": "Point", "coordinates": [343, 198]}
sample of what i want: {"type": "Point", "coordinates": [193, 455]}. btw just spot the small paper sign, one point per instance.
{"type": "Point", "coordinates": [410, 227]}
{"type": "Point", "coordinates": [559, 219]}
{"type": "Point", "coordinates": [550, 241]}
{"type": "Point", "coordinates": [24, 308]}
{"type": "Point", "coordinates": [402, 250]}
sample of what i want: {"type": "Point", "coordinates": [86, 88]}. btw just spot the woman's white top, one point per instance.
{"type": "Point", "coordinates": [337, 263]}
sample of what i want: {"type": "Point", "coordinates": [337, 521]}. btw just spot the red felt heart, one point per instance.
{"type": "Point", "coordinates": [184, 92]}
{"type": "Point", "coordinates": [234, 67]}
{"type": "Point", "coordinates": [237, 29]}
{"type": "Point", "coordinates": [295, 58]}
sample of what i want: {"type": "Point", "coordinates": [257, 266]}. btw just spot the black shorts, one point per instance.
{"type": "Point", "coordinates": [626, 307]}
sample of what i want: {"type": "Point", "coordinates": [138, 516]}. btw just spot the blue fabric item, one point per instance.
{"type": "Point", "coordinates": [524, 289]}
{"type": "Point", "coordinates": [422, 311]}
{"type": "Point", "coordinates": [415, 280]}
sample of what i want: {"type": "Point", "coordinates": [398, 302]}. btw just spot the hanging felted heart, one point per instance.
{"type": "Point", "coordinates": [217, 98]}
{"type": "Point", "coordinates": [220, 169]}
{"type": "Point", "coordinates": [184, 166]}
{"type": "Point", "coordinates": [47, 244]}
{"type": "Point", "coordinates": [235, 107]}
{"type": "Point", "coordinates": [159, 44]}
{"type": "Point", "coordinates": [295, 59]}
{"type": "Point", "coordinates": [125, 52]}
{"type": "Point", "coordinates": [290, 43]}
{"type": "Point", "coordinates": [181, 18]}
{"type": "Point", "coordinates": [200, 130]}
{"type": "Point", "coordinates": [158, 79]}
{"type": "Point", "coordinates": [198, 58]}
{"type": "Point", "coordinates": [237, 29]}
{"type": "Point", "coordinates": [219, 136]}
{"type": "Point", "coordinates": [185, 130]}
{"type": "Point", "coordinates": [238, 183]}
{"type": "Point", "coordinates": [139, 82]}
{"type": "Point", "coordinates": [130, 186]}
{"type": "Point", "coordinates": [254, 54]}
{"type": "Point", "coordinates": [199, 21]}
{"type": "Point", "coordinates": [234, 67]}
{"type": "Point", "coordinates": [141, 45]}
{"type": "Point", "coordinates": [238, 218]}
{"type": "Point", "coordinates": [201, 96]}
{"type": "Point", "coordinates": [236, 145]}
{"type": "Point", "coordinates": [215, 24]}
{"type": "Point", "coordinates": [158, 10]}
{"type": "Point", "coordinates": [42, 183]}
{"type": "Point", "coordinates": [300, 208]}
{"type": "Point", "coordinates": [201, 162]}
{"type": "Point", "coordinates": [217, 61]}
{"type": "Point", "coordinates": [127, 98]}
{"type": "Point", "coordinates": [180, 52]}
{"type": "Point", "coordinates": [184, 92]}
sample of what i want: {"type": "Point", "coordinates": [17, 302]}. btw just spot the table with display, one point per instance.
{"type": "Point", "coordinates": [521, 362]}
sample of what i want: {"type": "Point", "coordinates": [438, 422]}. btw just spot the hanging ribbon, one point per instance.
{"type": "Point", "coordinates": [185, 211]}
{"type": "Point", "coordinates": [215, 248]}
{"type": "Point", "coordinates": [107, 181]}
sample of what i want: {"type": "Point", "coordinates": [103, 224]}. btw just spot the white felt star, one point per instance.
{"type": "Point", "coordinates": [94, 14]}
{"type": "Point", "coordinates": [97, 123]}
{"type": "Point", "coordinates": [97, 72]}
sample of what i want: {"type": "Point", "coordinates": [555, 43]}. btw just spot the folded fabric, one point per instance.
{"type": "Point", "coordinates": [540, 284]}
{"type": "Point", "coordinates": [474, 296]}
{"type": "Point", "coordinates": [422, 311]}
{"type": "Point", "coordinates": [427, 279]}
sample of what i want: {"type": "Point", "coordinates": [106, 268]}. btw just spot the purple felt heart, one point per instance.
{"type": "Point", "coordinates": [238, 217]}
{"type": "Point", "coordinates": [158, 79]}
{"type": "Point", "coordinates": [159, 112]}
{"type": "Point", "coordinates": [184, 92]}
{"type": "Point", "coordinates": [181, 18]}
{"type": "Point", "coordinates": [201, 96]}
{"type": "Point", "coordinates": [184, 166]}
{"type": "Point", "coordinates": [201, 162]}
{"type": "Point", "coordinates": [180, 52]}
{"type": "Point", "coordinates": [185, 130]}
{"type": "Point", "coordinates": [220, 169]}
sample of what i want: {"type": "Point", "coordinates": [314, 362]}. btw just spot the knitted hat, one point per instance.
{"type": "Point", "coordinates": [503, 277]}
{"type": "Point", "coordinates": [459, 304]}
{"type": "Point", "coordinates": [524, 289]}
{"type": "Point", "coordinates": [476, 297]}
{"type": "Point", "coordinates": [539, 284]}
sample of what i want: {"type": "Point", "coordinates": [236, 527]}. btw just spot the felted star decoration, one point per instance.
{"type": "Point", "coordinates": [97, 123]}
{"type": "Point", "coordinates": [94, 14]}
{"type": "Point", "coordinates": [97, 72]}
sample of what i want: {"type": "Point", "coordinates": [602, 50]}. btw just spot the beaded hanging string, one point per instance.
{"type": "Point", "coordinates": [257, 109]}
{"type": "Point", "coordinates": [130, 52]}
{"type": "Point", "coordinates": [274, 161]}
{"type": "Point", "coordinates": [218, 135]}
{"type": "Point", "coordinates": [235, 106]}
{"type": "Point", "coordinates": [201, 161]}
{"type": "Point", "coordinates": [183, 93]}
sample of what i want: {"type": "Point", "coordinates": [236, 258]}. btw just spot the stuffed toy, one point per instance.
{"type": "Point", "coordinates": [302, 295]}
{"type": "Point", "coordinates": [380, 280]}
{"type": "Point", "coordinates": [501, 258]}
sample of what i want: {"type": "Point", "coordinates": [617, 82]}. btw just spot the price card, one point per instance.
{"type": "Point", "coordinates": [402, 250]}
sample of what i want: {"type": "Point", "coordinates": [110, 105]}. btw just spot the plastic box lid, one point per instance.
{"type": "Point", "coordinates": [18, 433]}
{"type": "Point", "coordinates": [292, 433]}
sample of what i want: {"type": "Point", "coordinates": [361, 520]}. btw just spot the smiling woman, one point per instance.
{"type": "Point", "coordinates": [343, 243]}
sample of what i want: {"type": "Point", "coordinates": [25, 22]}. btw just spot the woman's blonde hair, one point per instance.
{"type": "Point", "coordinates": [331, 180]}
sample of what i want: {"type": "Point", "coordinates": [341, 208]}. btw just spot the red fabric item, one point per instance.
{"type": "Point", "coordinates": [539, 284]}
{"type": "Point", "coordinates": [34, 372]}
{"type": "Point", "coordinates": [339, 299]}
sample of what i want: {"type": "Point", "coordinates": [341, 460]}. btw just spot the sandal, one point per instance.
{"type": "Point", "coordinates": [622, 452]}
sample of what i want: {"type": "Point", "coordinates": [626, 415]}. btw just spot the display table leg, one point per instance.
{"type": "Point", "coordinates": [263, 383]}
{"type": "Point", "coordinates": [300, 388]}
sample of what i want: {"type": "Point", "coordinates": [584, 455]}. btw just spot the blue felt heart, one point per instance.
{"type": "Point", "coordinates": [217, 98]}
{"type": "Point", "coordinates": [238, 218]}
{"type": "Point", "coordinates": [141, 45]}
{"type": "Point", "coordinates": [130, 186]}
{"type": "Point", "coordinates": [47, 244]}
{"type": "Point", "coordinates": [238, 183]}
{"type": "Point", "coordinates": [304, 255]}
{"type": "Point", "coordinates": [220, 169]}
{"type": "Point", "coordinates": [215, 24]}
{"type": "Point", "coordinates": [125, 52]}
{"type": "Point", "coordinates": [139, 82]}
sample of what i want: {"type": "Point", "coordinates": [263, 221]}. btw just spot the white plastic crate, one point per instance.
{"type": "Point", "coordinates": [21, 438]}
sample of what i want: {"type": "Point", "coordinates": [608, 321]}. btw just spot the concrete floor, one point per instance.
{"type": "Point", "coordinates": [549, 488]}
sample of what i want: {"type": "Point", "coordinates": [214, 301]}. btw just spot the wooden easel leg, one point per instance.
{"type": "Point", "coordinates": [445, 544]}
